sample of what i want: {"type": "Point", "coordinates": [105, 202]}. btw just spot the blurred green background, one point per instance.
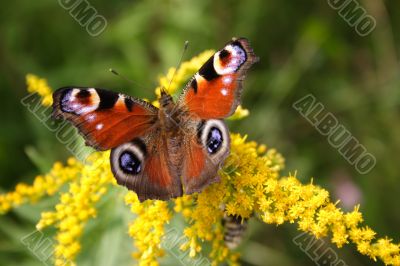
{"type": "Point", "coordinates": [305, 47]}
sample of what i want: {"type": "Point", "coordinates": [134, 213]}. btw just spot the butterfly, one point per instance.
{"type": "Point", "coordinates": [165, 152]}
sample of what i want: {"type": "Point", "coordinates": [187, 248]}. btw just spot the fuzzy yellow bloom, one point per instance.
{"type": "Point", "coordinates": [77, 206]}
{"type": "Point", "coordinates": [242, 178]}
{"type": "Point", "coordinates": [40, 86]}
{"type": "Point", "coordinates": [43, 185]}
{"type": "Point", "coordinates": [148, 228]}
{"type": "Point", "coordinates": [239, 113]}
{"type": "Point", "coordinates": [251, 186]}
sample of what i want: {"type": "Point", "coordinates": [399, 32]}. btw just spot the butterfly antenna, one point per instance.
{"type": "Point", "coordinates": [185, 46]}
{"type": "Point", "coordinates": [125, 78]}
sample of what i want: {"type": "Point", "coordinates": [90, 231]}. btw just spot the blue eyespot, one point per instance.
{"type": "Point", "coordinates": [214, 140]}
{"type": "Point", "coordinates": [129, 163]}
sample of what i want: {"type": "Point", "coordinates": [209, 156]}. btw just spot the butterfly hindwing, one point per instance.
{"type": "Point", "coordinates": [106, 119]}
{"type": "Point", "coordinates": [204, 152]}
{"type": "Point", "coordinates": [215, 90]}
{"type": "Point", "coordinates": [143, 165]}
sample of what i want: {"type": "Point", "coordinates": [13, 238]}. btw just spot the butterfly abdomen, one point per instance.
{"type": "Point", "coordinates": [234, 229]}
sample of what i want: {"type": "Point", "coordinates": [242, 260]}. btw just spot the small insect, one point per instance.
{"type": "Point", "coordinates": [234, 229]}
{"type": "Point", "coordinates": [162, 153]}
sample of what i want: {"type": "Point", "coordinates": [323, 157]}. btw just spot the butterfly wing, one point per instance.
{"type": "Point", "coordinates": [143, 165]}
{"type": "Point", "coordinates": [215, 90]}
{"type": "Point", "coordinates": [204, 152]}
{"type": "Point", "coordinates": [105, 119]}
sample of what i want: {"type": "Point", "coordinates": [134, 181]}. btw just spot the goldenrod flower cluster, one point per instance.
{"type": "Point", "coordinates": [148, 228]}
{"type": "Point", "coordinates": [310, 207]}
{"type": "Point", "coordinates": [77, 206]}
{"type": "Point", "coordinates": [251, 186]}
{"type": "Point", "coordinates": [43, 185]}
{"type": "Point", "coordinates": [40, 86]}
{"type": "Point", "coordinates": [241, 192]}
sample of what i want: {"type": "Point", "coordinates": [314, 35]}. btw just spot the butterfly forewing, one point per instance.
{"type": "Point", "coordinates": [215, 90]}
{"type": "Point", "coordinates": [105, 119]}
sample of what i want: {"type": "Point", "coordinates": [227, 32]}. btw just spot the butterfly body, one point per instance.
{"type": "Point", "coordinates": [170, 115]}
{"type": "Point", "coordinates": [162, 153]}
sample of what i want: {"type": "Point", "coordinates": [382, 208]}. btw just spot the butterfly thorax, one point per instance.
{"type": "Point", "coordinates": [169, 115]}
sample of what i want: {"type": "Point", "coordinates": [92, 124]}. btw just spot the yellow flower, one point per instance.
{"type": "Point", "coordinates": [148, 228]}
{"type": "Point", "coordinates": [242, 176]}
{"type": "Point", "coordinates": [251, 186]}
{"type": "Point", "coordinates": [43, 185]}
{"type": "Point", "coordinates": [77, 206]}
{"type": "Point", "coordinates": [239, 113]}
{"type": "Point", "coordinates": [40, 86]}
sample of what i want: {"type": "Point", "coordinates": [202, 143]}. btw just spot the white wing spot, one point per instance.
{"type": "Point", "coordinates": [224, 92]}
{"type": "Point", "coordinates": [227, 80]}
{"type": "Point", "coordinates": [99, 126]}
{"type": "Point", "coordinates": [91, 117]}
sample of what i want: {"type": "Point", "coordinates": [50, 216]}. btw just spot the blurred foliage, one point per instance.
{"type": "Point", "coordinates": [305, 47]}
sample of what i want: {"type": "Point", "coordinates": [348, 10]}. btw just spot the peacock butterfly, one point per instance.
{"type": "Point", "coordinates": [162, 153]}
